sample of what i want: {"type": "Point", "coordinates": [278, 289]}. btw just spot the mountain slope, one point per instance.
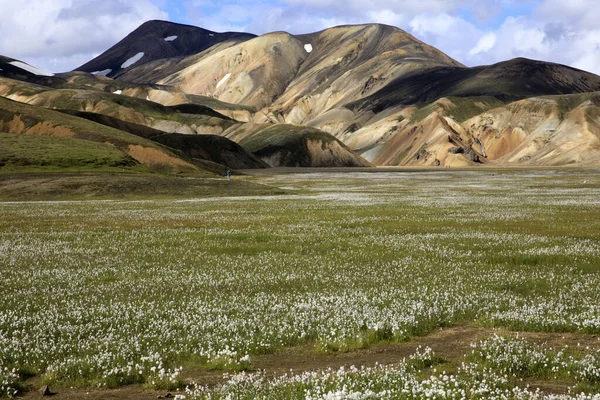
{"type": "Point", "coordinates": [508, 81]}
{"type": "Point", "coordinates": [156, 40]}
{"type": "Point", "coordinates": [252, 73]}
{"type": "Point", "coordinates": [550, 130]}
{"type": "Point", "coordinates": [293, 146]}
{"type": "Point", "coordinates": [296, 78]}
{"type": "Point", "coordinates": [212, 148]}
{"type": "Point", "coordinates": [23, 119]}
{"type": "Point", "coordinates": [190, 119]}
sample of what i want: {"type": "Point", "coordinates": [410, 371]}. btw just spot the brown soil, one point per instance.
{"type": "Point", "coordinates": [150, 156]}
{"type": "Point", "coordinates": [16, 125]}
{"type": "Point", "coordinates": [49, 129]}
{"type": "Point", "coordinates": [452, 344]}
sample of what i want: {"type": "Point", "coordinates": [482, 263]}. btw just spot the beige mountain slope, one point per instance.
{"type": "Point", "coordinates": [554, 130]}
{"type": "Point", "coordinates": [165, 95]}
{"type": "Point", "coordinates": [297, 78]}
{"type": "Point", "coordinates": [557, 130]}
{"type": "Point", "coordinates": [201, 119]}
{"type": "Point", "coordinates": [348, 63]}
{"type": "Point", "coordinates": [253, 73]}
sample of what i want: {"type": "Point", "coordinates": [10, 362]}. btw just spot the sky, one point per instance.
{"type": "Point", "coordinates": [60, 35]}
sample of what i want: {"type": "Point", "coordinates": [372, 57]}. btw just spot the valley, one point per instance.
{"type": "Point", "coordinates": [359, 282]}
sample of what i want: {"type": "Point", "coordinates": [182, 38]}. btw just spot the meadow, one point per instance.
{"type": "Point", "coordinates": [159, 293]}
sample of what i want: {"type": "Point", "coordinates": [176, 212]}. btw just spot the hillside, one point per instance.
{"type": "Point", "coordinates": [22, 152]}
{"type": "Point", "coordinates": [507, 81]}
{"type": "Point", "coordinates": [456, 131]}
{"type": "Point", "coordinates": [190, 119]}
{"type": "Point", "coordinates": [23, 119]}
{"type": "Point", "coordinates": [296, 77]}
{"type": "Point", "coordinates": [292, 146]}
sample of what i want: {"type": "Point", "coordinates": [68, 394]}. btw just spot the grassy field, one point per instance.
{"type": "Point", "coordinates": [400, 285]}
{"type": "Point", "coordinates": [21, 151]}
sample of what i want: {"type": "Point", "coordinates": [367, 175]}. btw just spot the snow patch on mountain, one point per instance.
{"type": "Point", "coordinates": [222, 81]}
{"type": "Point", "coordinates": [30, 69]}
{"type": "Point", "coordinates": [171, 38]}
{"type": "Point", "coordinates": [102, 73]}
{"type": "Point", "coordinates": [132, 60]}
{"type": "Point", "coordinates": [308, 48]}
{"type": "Point", "coordinates": [118, 92]}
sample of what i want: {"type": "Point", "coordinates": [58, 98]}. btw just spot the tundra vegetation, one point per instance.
{"type": "Point", "coordinates": [103, 294]}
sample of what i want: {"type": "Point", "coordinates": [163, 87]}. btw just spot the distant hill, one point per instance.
{"type": "Point", "coordinates": [293, 146]}
{"type": "Point", "coordinates": [24, 119]}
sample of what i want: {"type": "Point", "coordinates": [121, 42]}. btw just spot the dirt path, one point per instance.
{"type": "Point", "coordinates": [452, 344]}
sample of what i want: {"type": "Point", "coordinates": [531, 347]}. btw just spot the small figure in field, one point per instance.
{"type": "Point", "coordinates": [228, 176]}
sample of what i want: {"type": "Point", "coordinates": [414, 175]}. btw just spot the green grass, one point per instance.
{"type": "Point", "coordinates": [468, 107]}
{"type": "Point", "coordinates": [353, 260]}
{"type": "Point", "coordinates": [462, 108]}
{"type": "Point", "coordinates": [19, 151]}
{"type": "Point", "coordinates": [77, 183]}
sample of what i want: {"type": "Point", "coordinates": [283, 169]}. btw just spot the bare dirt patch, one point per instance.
{"type": "Point", "coordinates": [49, 129]}
{"type": "Point", "coordinates": [150, 156]}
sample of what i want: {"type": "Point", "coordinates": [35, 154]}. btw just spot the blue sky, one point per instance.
{"type": "Point", "coordinates": [59, 35]}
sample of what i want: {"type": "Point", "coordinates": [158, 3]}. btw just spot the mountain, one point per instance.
{"type": "Point", "coordinates": [19, 70]}
{"type": "Point", "coordinates": [298, 77]}
{"type": "Point", "coordinates": [156, 40]}
{"type": "Point", "coordinates": [456, 131]}
{"type": "Point", "coordinates": [507, 81]}
{"type": "Point", "coordinates": [354, 95]}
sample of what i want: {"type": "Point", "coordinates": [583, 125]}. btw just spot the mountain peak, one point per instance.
{"type": "Point", "coordinates": [155, 40]}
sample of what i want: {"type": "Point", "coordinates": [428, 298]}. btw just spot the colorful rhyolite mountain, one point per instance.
{"type": "Point", "coordinates": [346, 96]}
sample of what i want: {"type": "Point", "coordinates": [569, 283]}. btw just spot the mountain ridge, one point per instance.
{"type": "Point", "coordinates": [368, 93]}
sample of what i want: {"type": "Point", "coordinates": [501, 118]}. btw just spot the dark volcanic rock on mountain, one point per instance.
{"type": "Point", "coordinates": [511, 80]}
{"type": "Point", "coordinates": [21, 71]}
{"type": "Point", "coordinates": [156, 40]}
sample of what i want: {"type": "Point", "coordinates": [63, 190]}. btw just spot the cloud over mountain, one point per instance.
{"type": "Point", "coordinates": [50, 33]}
{"type": "Point", "coordinates": [59, 34]}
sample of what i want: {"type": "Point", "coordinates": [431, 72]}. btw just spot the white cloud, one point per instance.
{"type": "Point", "coordinates": [59, 35]}
{"type": "Point", "coordinates": [387, 17]}
{"type": "Point", "coordinates": [62, 34]}
{"type": "Point", "coordinates": [485, 44]}
{"type": "Point", "coordinates": [453, 35]}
